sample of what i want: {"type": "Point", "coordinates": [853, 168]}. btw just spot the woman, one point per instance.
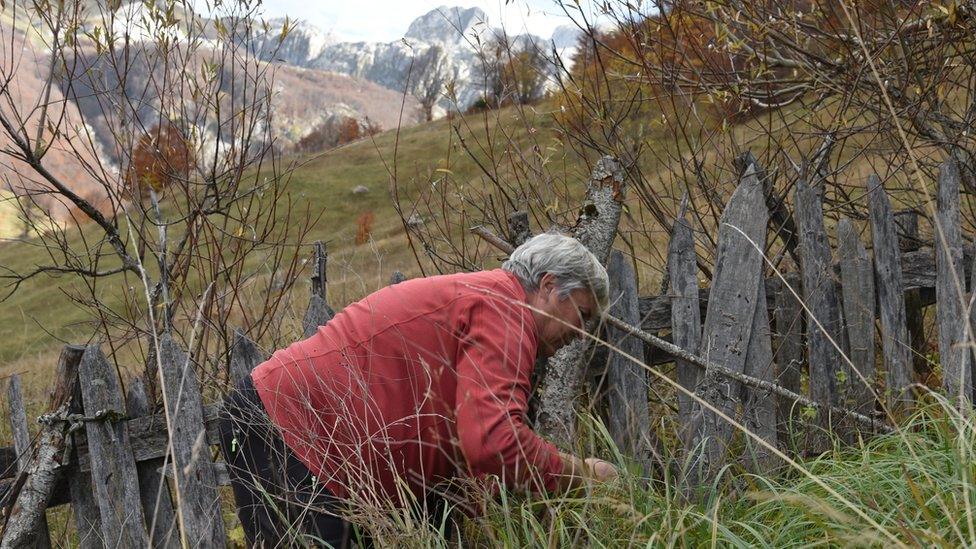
{"type": "Point", "coordinates": [416, 384]}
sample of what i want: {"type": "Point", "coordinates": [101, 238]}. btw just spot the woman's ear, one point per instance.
{"type": "Point", "coordinates": [547, 284]}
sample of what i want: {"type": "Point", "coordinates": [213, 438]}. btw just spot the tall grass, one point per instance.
{"type": "Point", "coordinates": [917, 485]}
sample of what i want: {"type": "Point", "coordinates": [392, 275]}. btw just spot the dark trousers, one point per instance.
{"type": "Point", "coordinates": [279, 502]}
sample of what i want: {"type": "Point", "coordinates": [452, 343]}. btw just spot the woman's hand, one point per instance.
{"type": "Point", "coordinates": [578, 473]}
{"type": "Point", "coordinates": [602, 471]}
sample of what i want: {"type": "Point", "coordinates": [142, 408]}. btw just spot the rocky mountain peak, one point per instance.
{"type": "Point", "coordinates": [448, 25]}
{"type": "Point", "coordinates": [566, 36]}
{"type": "Point", "coordinates": [302, 43]}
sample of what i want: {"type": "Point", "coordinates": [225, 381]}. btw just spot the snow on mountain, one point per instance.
{"type": "Point", "coordinates": [394, 65]}
{"type": "Point", "coordinates": [297, 45]}
{"type": "Point", "coordinates": [447, 25]}
{"type": "Point", "coordinates": [456, 31]}
{"type": "Point", "coordinates": [566, 36]}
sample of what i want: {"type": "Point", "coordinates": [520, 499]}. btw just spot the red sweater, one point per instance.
{"type": "Point", "coordinates": [418, 382]}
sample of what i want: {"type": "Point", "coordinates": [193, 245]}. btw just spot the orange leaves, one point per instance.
{"type": "Point", "coordinates": [160, 159]}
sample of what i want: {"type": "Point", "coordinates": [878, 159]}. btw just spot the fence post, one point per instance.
{"type": "Point", "coordinates": [518, 228]}
{"type": "Point", "coordinates": [685, 314]}
{"type": "Point", "coordinates": [157, 504]}
{"type": "Point", "coordinates": [113, 469]}
{"type": "Point", "coordinates": [895, 344]}
{"type": "Point", "coordinates": [950, 289]}
{"type": "Point", "coordinates": [627, 390]}
{"type": "Point", "coordinates": [859, 312]}
{"type": "Point", "coordinates": [596, 228]}
{"type": "Point", "coordinates": [824, 334]}
{"type": "Point", "coordinates": [83, 505]}
{"type": "Point", "coordinates": [730, 319]}
{"type": "Point", "coordinates": [29, 500]}
{"type": "Point", "coordinates": [244, 357]}
{"type": "Point", "coordinates": [318, 312]}
{"type": "Point", "coordinates": [906, 225]}
{"type": "Point", "coordinates": [199, 503]}
{"type": "Point", "coordinates": [22, 446]}
{"type": "Point", "coordinates": [789, 360]}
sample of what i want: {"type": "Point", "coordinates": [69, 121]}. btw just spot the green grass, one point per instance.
{"type": "Point", "coordinates": [914, 488]}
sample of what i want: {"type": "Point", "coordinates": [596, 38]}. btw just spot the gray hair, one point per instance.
{"type": "Point", "coordinates": [566, 258]}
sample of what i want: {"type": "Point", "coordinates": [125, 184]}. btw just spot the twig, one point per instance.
{"type": "Point", "coordinates": [492, 238]}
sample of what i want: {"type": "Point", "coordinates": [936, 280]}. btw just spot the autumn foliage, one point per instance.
{"type": "Point", "coordinates": [160, 159]}
{"type": "Point", "coordinates": [364, 227]}
{"type": "Point", "coordinates": [717, 54]}
{"type": "Point", "coordinates": [335, 132]}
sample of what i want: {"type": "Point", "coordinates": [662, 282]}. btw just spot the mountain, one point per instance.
{"type": "Point", "coordinates": [566, 36]}
{"type": "Point", "coordinates": [454, 31]}
{"type": "Point", "coordinates": [94, 121]}
{"type": "Point", "coordinates": [446, 25]}
{"type": "Point", "coordinates": [297, 44]}
{"type": "Point", "coordinates": [305, 99]}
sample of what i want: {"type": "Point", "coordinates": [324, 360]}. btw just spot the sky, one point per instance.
{"type": "Point", "coordinates": [387, 20]}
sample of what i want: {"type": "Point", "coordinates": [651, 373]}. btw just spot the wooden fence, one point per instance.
{"type": "Point", "coordinates": [741, 347]}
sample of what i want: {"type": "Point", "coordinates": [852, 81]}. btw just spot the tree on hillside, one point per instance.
{"type": "Point", "coordinates": [512, 70]}
{"type": "Point", "coordinates": [524, 74]}
{"type": "Point", "coordinates": [488, 71]}
{"type": "Point", "coordinates": [431, 75]}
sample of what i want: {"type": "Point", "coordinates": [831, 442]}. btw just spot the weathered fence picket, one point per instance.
{"type": "Point", "coordinates": [906, 225]}
{"type": "Point", "coordinates": [518, 228]}
{"type": "Point", "coordinates": [83, 504]}
{"type": "Point", "coordinates": [895, 344]}
{"type": "Point", "coordinates": [113, 467]}
{"type": "Point", "coordinates": [951, 289]}
{"type": "Point", "coordinates": [22, 445]}
{"type": "Point", "coordinates": [788, 356]}
{"type": "Point", "coordinates": [781, 223]}
{"type": "Point", "coordinates": [857, 287]}
{"type": "Point", "coordinates": [758, 405]}
{"type": "Point", "coordinates": [685, 310]}
{"type": "Point", "coordinates": [200, 518]}
{"type": "Point", "coordinates": [825, 339]}
{"type": "Point", "coordinates": [157, 504]}
{"type": "Point", "coordinates": [729, 321]}
{"type": "Point", "coordinates": [397, 277]}
{"type": "Point", "coordinates": [244, 357]}
{"type": "Point", "coordinates": [627, 388]}
{"type": "Point", "coordinates": [319, 312]}
{"type": "Point", "coordinates": [970, 329]}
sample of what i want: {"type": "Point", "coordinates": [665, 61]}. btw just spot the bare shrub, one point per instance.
{"type": "Point", "coordinates": [136, 99]}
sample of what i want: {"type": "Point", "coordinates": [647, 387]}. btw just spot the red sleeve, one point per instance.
{"type": "Point", "coordinates": [494, 366]}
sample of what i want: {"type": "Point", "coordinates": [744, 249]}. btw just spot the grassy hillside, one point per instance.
{"type": "Point", "coordinates": [38, 315]}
